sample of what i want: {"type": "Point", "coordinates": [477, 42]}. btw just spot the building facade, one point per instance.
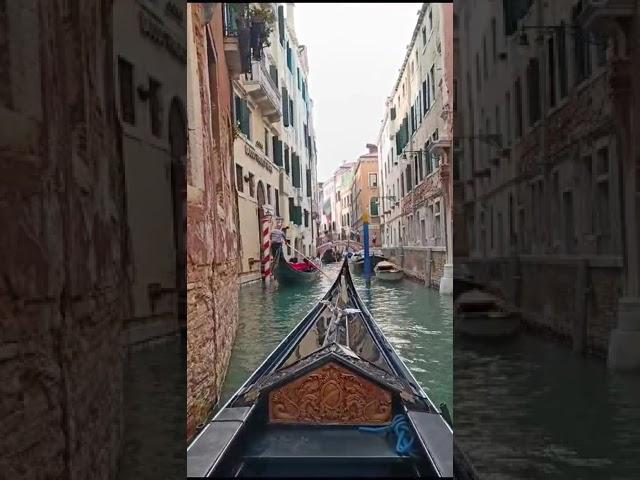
{"type": "Point", "coordinates": [415, 151]}
{"type": "Point", "coordinates": [547, 164]}
{"type": "Point", "coordinates": [151, 109]}
{"type": "Point", "coordinates": [213, 221]}
{"type": "Point", "coordinates": [274, 149]}
{"type": "Point", "coordinates": [364, 197]}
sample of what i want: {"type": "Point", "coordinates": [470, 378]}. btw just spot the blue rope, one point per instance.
{"type": "Point", "coordinates": [403, 432]}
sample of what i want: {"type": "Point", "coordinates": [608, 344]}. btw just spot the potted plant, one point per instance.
{"type": "Point", "coordinates": [241, 11]}
{"type": "Point", "coordinates": [262, 20]}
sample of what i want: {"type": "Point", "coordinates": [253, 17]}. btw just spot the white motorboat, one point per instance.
{"type": "Point", "coordinates": [480, 314]}
{"type": "Point", "coordinates": [388, 271]}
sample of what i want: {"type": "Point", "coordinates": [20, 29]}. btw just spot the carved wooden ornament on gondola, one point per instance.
{"type": "Point", "coordinates": [330, 395]}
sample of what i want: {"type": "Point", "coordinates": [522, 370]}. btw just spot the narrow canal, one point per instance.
{"type": "Point", "coordinates": [416, 320]}
{"type": "Point", "coordinates": [530, 408]}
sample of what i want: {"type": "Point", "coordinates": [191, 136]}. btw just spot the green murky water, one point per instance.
{"type": "Point", "coordinates": [416, 320]}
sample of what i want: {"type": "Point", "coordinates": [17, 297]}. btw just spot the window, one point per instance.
{"type": "Point", "coordinates": [436, 222]}
{"type": "Point", "coordinates": [155, 108]}
{"type": "Point", "coordinates": [289, 58]}
{"type": "Point", "coordinates": [430, 20]}
{"type": "Point", "coordinates": [485, 65]}
{"type": "Point", "coordinates": [401, 185]}
{"type": "Point", "coordinates": [562, 62]}
{"type": "Point", "coordinates": [409, 178]}
{"type": "Point", "coordinates": [295, 170]}
{"type": "Point", "coordinates": [292, 210]}
{"type": "Point", "coordinates": [239, 178]}
{"type": "Point", "coordinates": [533, 86]}
{"type": "Point", "coordinates": [281, 25]}
{"type": "Point", "coordinates": [306, 218]}
{"type": "Point", "coordinates": [243, 116]}
{"type": "Point", "coordinates": [494, 46]}
{"type": "Point", "coordinates": [268, 194]}
{"type": "Point", "coordinates": [433, 83]}
{"type": "Point", "coordinates": [286, 159]}
{"type": "Point", "coordinates": [478, 83]}
{"type": "Point", "coordinates": [581, 51]}
{"type": "Point", "coordinates": [425, 104]}
{"type": "Point", "coordinates": [277, 151]}
{"type": "Point", "coordinates": [424, 36]}
{"type": "Point", "coordinates": [252, 185]}
{"type": "Point", "coordinates": [285, 107]}
{"type": "Point", "coordinates": [373, 180]}
{"type": "Point", "coordinates": [518, 94]}
{"type": "Point", "coordinates": [277, 202]}
{"type": "Point", "coordinates": [273, 73]}
{"type": "Point", "coordinates": [507, 101]}
{"type": "Point", "coordinates": [291, 112]}
{"type": "Point", "coordinates": [551, 71]}
{"type": "Point", "coordinates": [127, 99]}
{"type": "Point", "coordinates": [308, 182]}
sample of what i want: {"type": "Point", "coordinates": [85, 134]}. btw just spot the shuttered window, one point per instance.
{"type": "Point", "coordinates": [286, 159]}
{"type": "Point", "coordinates": [285, 107]}
{"type": "Point", "coordinates": [295, 170]}
{"type": "Point", "coordinates": [425, 106]}
{"type": "Point", "coordinates": [277, 151]}
{"type": "Point", "coordinates": [243, 116]}
{"type": "Point", "coordinates": [281, 25]}
{"type": "Point", "coordinates": [308, 183]}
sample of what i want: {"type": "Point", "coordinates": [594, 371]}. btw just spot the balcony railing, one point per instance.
{"type": "Point", "coordinates": [262, 88]}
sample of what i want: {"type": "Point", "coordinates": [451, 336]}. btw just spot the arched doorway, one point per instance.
{"type": "Point", "coordinates": [178, 148]}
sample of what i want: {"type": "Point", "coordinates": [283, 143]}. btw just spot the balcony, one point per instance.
{"type": "Point", "coordinates": [264, 92]}
{"type": "Point", "coordinates": [600, 15]}
{"type": "Point", "coordinates": [231, 43]}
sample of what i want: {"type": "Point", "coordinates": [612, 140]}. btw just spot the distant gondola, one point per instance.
{"type": "Point", "coordinates": [334, 399]}
{"type": "Point", "coordinates": [285, 274]}
{"type": "Point", "coordinates": [329, 256]}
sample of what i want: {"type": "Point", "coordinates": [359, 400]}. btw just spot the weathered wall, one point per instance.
{"type": "Point", "coordinates": [212, 216]}
{"type": "Point", "coordinates": [423, 263]}
{"type": "Point", "coordinates": [63, 286]}
{"type": "Point", "coordinates": [575, 298]}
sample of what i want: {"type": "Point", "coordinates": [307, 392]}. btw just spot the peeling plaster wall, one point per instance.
{"type": "Point", "coordinates": [63, 283]}
{"type": "Point", "coordinates": [212, 219]}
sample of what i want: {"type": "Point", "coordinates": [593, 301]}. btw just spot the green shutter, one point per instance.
{"type": "Point", "coordinates": [373, 206]}
{"type": "Point", "coordinates": [285, 107]}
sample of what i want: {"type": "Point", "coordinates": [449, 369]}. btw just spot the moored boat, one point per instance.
{"type": "Point", "coordinates": [480, 314]}
{"type": "Point", "coordinates": [286, 274]}
{"type": "Point", "coordinates": [357, 260]}
{"type": "Point", "coordinates": [334, 399]}
{"type": "Point", "coordinates": [388, 271]}
{"type": "Point", "coordinates": [329, 256]}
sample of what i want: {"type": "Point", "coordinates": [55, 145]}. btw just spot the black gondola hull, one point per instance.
{"type": "Point", "coordinates": [286, 275]}
{"type": "Point", "coordinates": [247, 437]}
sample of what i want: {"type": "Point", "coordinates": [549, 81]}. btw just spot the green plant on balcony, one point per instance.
{"type": "Point", "coordinates": [262, 22]}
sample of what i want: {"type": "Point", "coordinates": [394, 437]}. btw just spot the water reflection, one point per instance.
{"type": "Point", "coordinates": [531, 409]}
{"type": "Point", "coordinates": [416, 320]}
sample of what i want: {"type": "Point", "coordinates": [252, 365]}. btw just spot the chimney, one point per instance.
{"type": "Point", "coordinates": [290, 15]}
{"type": "Point", "coordinates": [372, 148]}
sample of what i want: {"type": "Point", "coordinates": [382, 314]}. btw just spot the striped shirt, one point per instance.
{"type": "Point", "coordinates": [277, 236]}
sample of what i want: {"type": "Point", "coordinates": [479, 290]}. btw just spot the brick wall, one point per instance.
{"type": "Point", "coordinates": [550, 295]}
{"type": "Point", "coordinates": [63, 288]}
{"type": "Point", "coordinates": [212, 226]}
{"type": "Point", "coordinates": [414, 262]}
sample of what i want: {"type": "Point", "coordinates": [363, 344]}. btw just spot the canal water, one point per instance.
{"type": "Point", "coordinates": [530, 408]}
{"type": "Point", "coordinates": [416, 320]}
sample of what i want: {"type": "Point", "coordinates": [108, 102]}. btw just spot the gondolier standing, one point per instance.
{"type": "Point", "coordinates": [278, 238]}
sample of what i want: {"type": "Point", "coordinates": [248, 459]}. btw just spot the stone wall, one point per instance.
{"type": "Point", "coordinates": [574, 298]}
{"type": "Point", "coordinates": [64, 290]}
{"type": "Point", "coordinates": [422, 263]}
{"type": "Point", "coordinates": [212, 220]}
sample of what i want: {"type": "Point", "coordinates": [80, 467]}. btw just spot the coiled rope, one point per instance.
{"type": "Point", "coordinates": [403, 432]}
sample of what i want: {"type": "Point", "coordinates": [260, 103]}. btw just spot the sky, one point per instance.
{"type": "Point", "coordinates": [355, 52]}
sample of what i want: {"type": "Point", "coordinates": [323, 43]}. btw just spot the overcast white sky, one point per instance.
{"type": "Point", "coordinates": [355, 51]}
